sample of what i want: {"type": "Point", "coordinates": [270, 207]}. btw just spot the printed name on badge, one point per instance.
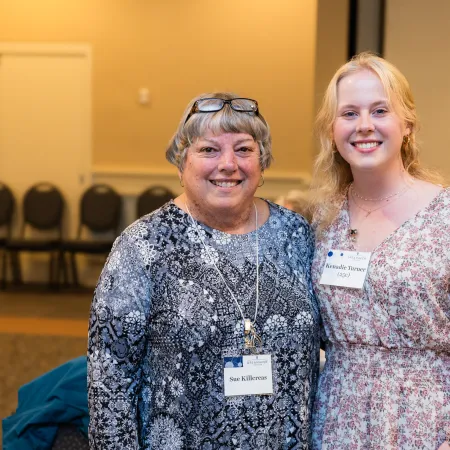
{"type": "Point", "coordinates": [247, 375]}
{"type": "Point", "coordinates": [343, 268]}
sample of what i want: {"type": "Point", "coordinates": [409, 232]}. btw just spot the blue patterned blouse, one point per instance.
{"type": "Point", "coordinates": [162, 320]}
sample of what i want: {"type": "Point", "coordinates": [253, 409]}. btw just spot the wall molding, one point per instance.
{"type": "Point", "coordinates": [46, 48]}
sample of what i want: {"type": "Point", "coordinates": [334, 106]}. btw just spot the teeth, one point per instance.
{"type": "Point", "coordinates": [366, 145]}
{"type": "Point", "coordinates": [225, 184]}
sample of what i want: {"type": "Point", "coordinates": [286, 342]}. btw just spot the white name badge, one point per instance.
{"type": "Point", "coordinates": [247, 375]}
{"type": "Point", "coordinates": [348, 269]}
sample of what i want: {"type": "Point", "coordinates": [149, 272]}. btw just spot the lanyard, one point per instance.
{"type": "Point", "coordinates": [251, 339]}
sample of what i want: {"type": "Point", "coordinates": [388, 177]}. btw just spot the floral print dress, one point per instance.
{"type": "Point", "coordinates": [162, 321]}
{"type": "Point", "coordinates": [386, 381]}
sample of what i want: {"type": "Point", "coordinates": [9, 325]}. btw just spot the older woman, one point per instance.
{"type": "Point", "coordinates": [204, 329]}
{"type": "Point", "coordinates": [381, 269]}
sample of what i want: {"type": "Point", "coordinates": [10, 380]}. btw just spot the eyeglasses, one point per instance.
{"type": "Point", "coordinates": [208, 105]}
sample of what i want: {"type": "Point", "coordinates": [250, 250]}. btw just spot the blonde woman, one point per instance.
{"type": "Point", "coordinates": [381, 269]}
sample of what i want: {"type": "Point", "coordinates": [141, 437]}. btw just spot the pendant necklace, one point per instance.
{"type": "Point", "coordinates": [251, 340]}
{"type": "Point", "coordinates": [353, 232]}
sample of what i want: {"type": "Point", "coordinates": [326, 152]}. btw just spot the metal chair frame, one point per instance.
{"type": "Point", "coordinates": [74, 246]}
{"type": "Point", "coordinates": [37, 222]}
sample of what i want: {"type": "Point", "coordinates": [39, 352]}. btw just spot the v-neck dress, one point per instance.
{"type": "Point", "coordinates": [386, 380]}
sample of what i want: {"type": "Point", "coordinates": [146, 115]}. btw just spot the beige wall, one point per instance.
{"type": "Point", "coordinates": [178, 49]}
{"type": "Point", "coordinates": [331, 48]}
{"type": "Point", "coordinates": [417, 41]}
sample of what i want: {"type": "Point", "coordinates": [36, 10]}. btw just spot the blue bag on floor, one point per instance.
{"type": "Point", "coordinates": [57, 397]}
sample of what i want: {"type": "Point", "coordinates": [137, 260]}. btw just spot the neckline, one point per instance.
{"type": "Point", "coordinates": [345, 208]}
{"type": "Point", "coordinates": [215, 230]}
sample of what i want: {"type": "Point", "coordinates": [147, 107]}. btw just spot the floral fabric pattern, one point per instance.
{"type": "Point", "coordinates": [162, 320]}
{"type": "Point", "coordinates": [386, 381]}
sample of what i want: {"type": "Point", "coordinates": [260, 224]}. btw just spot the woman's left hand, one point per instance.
{"type": "Point", "coordinates": [444, 446]}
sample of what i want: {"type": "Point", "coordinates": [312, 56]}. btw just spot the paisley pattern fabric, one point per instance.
{"type": "Point", "coordinates": [386, 381]}
{"type": "Point", "coordinates": [162, 320]}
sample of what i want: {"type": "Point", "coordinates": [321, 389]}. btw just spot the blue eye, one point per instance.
{"type": "Point", "coordinates": [380, 111]}
{"type": "Point", "coordinates": [349, 114]}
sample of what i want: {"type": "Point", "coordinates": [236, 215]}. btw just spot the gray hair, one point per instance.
{"type": "Point", "coordinates": [224, 121]}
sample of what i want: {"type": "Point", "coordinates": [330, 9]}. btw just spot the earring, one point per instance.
{"type": "Point", "coordinates": [333, 147]}
{"type": "Point", "coordinates": [181, 182]}
{"type": "Point", "coordinates": [406, 139]}
{"type": "Point", "coordinates": [262, 179]}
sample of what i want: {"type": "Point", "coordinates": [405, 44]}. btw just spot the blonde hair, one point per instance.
{"type": "Point", "coordinates": [224, 121]}
{"type": "Point", "coordinates": [332, 174]}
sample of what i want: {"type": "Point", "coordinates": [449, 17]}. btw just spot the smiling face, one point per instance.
{"type": "Point", "coordinates": [367, 130]}
{"type": "Point", "coordinates": [221, 173]}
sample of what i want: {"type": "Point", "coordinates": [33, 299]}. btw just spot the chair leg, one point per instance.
{"type": "Point", "coordinates": [73, 263]}
{"type": "Point", "coordinates": [12, 267]}
{"type": "Point", "coordinates": [4, 272]}
{"type": "Point", "coordinates": [62, 267]}
{"type": "Point", "coordinates": [16, 268]}
{"type": "Point", "coordinates": [52, 280]}
{"type": "Point", "coordinates": [58, 266]}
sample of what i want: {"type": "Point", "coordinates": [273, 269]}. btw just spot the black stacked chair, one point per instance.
{"type": "Point", "coordinates": [7, 204]}
{"type": "Point", "coordinates": [42, 209]}
{"type": "Point", "coordinates": [100, 211]}
{"type": "Point", "coordinates": [153, 198]}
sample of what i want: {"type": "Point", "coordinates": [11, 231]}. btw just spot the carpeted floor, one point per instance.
{"type": "Point", "coordinates": [38, 331]}
{"type": "Point", "coordinates": [46, 304]}
{"type": "Point", "coordinates": [25, 357]}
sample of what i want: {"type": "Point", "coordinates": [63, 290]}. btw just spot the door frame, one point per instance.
{"type": "Point", "coordinates": [81, 50]}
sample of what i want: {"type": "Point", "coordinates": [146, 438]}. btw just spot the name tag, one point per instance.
{"type": "Point", "coordinates": [348, 269]}
{"type": "Point", "coordinates": [247, 375]}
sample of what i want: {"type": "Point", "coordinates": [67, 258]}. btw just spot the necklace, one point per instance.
{"type": "Point", "coordinates": [251, 339]}
{"type": "Point", "coordinates": [377, 199]}
{"type": "Point", "coordinates": [353, 232]}
{"type": "Point", "coordinates": [368, 211]}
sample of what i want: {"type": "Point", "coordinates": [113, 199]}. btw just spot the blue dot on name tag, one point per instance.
{"type": "Point", "coordinates": [330, 253]}
{"type": "Point", "coordinates": [232, 361]}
